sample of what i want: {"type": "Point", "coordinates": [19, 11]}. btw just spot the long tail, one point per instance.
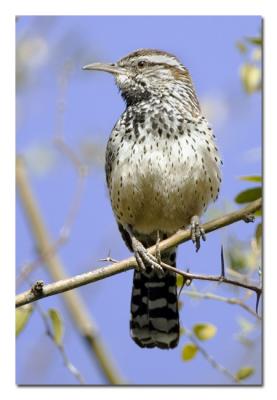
{"type": "Point", "coordinates": [154, 307]}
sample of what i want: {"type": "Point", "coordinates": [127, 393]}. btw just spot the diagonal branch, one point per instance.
{"type": "Point", "coordinates": [77, 309]}
{"type": "Point", "coordinates": [125, 265]}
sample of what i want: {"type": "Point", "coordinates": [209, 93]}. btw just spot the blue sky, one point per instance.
{"type": "Point", "coordinates": [206, 45]}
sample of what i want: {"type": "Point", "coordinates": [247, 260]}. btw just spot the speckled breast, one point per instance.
{"type": "Point", "coordinates": [164, 171]}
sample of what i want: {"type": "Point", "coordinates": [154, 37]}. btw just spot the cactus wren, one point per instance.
{"type": "Point", "coordinates": [162, 170]}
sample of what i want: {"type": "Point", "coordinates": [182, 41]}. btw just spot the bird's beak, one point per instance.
{"type": "Point", "coordinates": [111, 68]}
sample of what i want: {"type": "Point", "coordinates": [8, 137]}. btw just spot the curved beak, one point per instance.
{"type": "Point", "coordinates": [111, 68]}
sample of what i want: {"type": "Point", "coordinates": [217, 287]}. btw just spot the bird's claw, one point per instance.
{"type": "Point", "coordinates": [143, 257]}
{"type": "Point", "coordinates": [197, 232]}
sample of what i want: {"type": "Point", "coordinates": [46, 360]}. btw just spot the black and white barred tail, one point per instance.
{"type": "Point", "coordinates": [154, 307]}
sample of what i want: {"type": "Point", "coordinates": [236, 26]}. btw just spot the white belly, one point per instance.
{"type": "Point", "coordinates": [160, 187]}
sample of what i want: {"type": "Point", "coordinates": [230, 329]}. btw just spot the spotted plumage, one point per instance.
{"type": "Point", "coordinates": [162, 170]}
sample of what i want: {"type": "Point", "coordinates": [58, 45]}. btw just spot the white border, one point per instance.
{"type": "Point", "coordinates": [142, 7]}
{"type": "Point", "coordinates": [7, 220]}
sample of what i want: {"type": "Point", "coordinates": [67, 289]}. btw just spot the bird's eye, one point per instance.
{"type": "Point", "coordinates": [141, 64]}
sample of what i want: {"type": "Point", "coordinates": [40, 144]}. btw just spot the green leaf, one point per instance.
{"type": "Point", "coordinates": [251, 77]}
{"type": "Point", "coordinates": [244, 373]}
{"type": "Point", "coordinates": [253, 178]}
{"type": "Point", "coordinates": [255, 40]}
{"type": "Point", "coordinates": [57, 325]}
{"type": "Point", "coordinates": [22, 317]}
{"type": "Point", "coordinates": [189, 351]}
{"type": "Point", "coordinates": [258, 234]}
{"type": "Point", "coordinates": [204, 331]}
{"type": "Point", "coordinates": [179, 280]}
{"type": "Point", "coordinates": [249, 195]}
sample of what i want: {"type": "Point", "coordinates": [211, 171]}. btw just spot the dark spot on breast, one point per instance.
{"type": "Point", "coordinates": [142, 139]}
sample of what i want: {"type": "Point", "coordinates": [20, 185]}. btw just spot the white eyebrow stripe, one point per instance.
{"type": "Point", "coordinates": [160, 59]}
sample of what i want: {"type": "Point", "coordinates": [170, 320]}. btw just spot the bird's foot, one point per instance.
{"type": "Point", "coordinates": [143, 258]}
{"type": "Point", "coordinates": [197, 232]}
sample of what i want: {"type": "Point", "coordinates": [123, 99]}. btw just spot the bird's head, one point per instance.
{"type": "Point", "coordinates": [147, 72]}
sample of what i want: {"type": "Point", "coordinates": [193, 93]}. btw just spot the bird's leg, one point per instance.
{"type": "Point", "coordinates": [197, 232]}
{"type": "Point", "coordinates": [141, 254]}
{"type": "Point", "coordinates": [158, 252]}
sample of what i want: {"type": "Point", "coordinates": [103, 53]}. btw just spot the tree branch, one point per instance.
{"type": "Point", "coordinates": [75, 305]}
{"type": "Point", "coordinates": [229, 300]}
{"type": "Point", "coordinates": [178, 238]}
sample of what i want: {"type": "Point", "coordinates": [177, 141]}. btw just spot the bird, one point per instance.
{"type": "Point", "coordinates": [162, 170]}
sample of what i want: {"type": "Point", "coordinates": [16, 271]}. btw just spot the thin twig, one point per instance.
{"type": "Point", "coordinates": [108, 258]}
{"type": "Point", "coordinates": [180, 237]}
{"type": "Point", "coordinates": [210, 359]}
{"type": "Point", "coordinates": [229, 300]}
{"type": "Point", "coordinates": [68, 364]}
